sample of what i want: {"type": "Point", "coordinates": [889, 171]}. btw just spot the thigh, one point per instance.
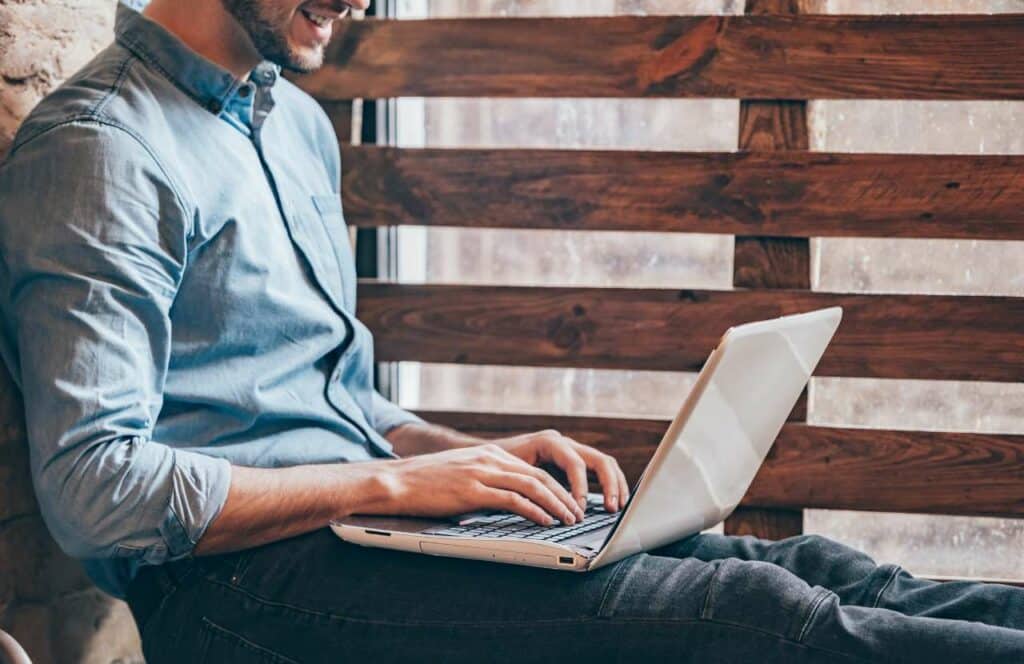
{"type": "Point", "coordinates": [315, 598]}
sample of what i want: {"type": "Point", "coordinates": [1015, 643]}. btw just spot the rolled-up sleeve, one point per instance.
{"type": "Point", "coordinates": [387, 416]}
{"type": "Point", "coordinates": [93, 240]}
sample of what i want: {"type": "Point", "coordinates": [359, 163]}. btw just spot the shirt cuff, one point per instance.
{"type": "Point", "coordinates": [199, 490]}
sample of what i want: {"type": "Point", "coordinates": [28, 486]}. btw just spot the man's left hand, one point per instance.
{"type": "Point", "coordinates": [574, 459]}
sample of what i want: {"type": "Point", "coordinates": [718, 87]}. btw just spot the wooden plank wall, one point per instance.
{"type": "Point", "coordinates": [882, 336]}
{"type": "Point", "coordinates": [773, 196]}
{"type": "Point", "coordinates": [769, 56]}
{"type": "Point", "coordinates": [772, 192]}
{"type": "Point", "coordinates": [772, 262]}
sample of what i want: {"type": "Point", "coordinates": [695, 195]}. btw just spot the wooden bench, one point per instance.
{"type": "Point", "coordinates": [773, 195]}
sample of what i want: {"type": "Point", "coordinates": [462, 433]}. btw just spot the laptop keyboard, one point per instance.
{"type": "Point", "coordinates": [511, 526]}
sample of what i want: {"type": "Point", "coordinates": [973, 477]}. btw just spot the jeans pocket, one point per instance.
{"type": "Point", "coordinates": [220, 645]}
{"type": "Point", "coordinates": [763, 597]}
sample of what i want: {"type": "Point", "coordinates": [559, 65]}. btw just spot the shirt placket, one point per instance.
{"type": "Point", "coordinates": [263, 103]}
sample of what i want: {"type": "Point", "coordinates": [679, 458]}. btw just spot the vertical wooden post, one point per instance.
{"type": "Point", "coordinates": [770, 262]}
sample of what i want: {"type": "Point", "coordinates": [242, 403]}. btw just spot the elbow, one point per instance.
{"type": "Point", "coordinates": [88, 513]}
{"type": "Point", "coordinates": [74, 535]}
{"type": "Point", "coordinates": [73, 523]}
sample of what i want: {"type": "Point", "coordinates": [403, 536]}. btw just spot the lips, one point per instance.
{"type": "Point", "coordinates": [317, 19]}
{"type": "Point", "coordinates": [322, 16]}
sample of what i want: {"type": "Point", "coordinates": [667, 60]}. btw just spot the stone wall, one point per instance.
{"type": "Point", "coordinates": [46, 601]}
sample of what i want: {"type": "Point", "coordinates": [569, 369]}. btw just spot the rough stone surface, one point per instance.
{"type": "Point", "coordinates": [42, 42]}
{"type": "Point", "coordinates": [46, 601]}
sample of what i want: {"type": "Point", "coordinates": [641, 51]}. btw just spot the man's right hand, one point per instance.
{"type": "Point", "coordinates": [475, 478]}
{"type": "Point", "coordinates": [269, 504]}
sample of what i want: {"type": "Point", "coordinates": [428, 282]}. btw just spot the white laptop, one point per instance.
{"type": "Point", "coordinates": [702, 468]}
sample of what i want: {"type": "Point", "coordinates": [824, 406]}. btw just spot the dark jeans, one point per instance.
{"type": "Point", "coordinates": [707, 598]}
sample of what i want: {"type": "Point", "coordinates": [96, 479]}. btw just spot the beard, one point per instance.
{"type": "Point", "coordinates": [267, 23]}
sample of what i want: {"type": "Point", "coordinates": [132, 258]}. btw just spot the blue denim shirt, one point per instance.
{"type": "Point", "coordinates": [177, 294]}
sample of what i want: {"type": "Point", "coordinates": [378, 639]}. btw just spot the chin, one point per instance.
{"type": "Point", "coordinates": [302, 60]}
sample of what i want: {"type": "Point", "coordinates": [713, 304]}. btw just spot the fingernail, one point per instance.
{"type": "Point", "coordinates": [569, 518]}
{"type": "Point", "coordinates": [582, 502]}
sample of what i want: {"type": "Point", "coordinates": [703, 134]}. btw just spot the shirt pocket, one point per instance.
{"type": "Point", "coordinates": [329, 210]}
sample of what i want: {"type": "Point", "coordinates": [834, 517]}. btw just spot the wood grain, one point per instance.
{"type": "Point", "coordinates": [762, 262]}
{"type": "Point", "coordinates": [773, 126]}
{"type": "Point", "coordinates": [787, 193]}
{"type": "Point", "coordinates": [340, 113]}
{"type": "Point", "coordinates": [744, 57]}
{"type": "Point", "coordinates": [772, 262]}
{"type": "Point", "coordinates": [763, 522]}
{"type": "Point", "coordinates": [883, 336]}
{"type": "Point", "coordinates": [821, 467]}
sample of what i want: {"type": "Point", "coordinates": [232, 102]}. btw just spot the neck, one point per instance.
{"type": "Point", "coordinates": [208, 29]}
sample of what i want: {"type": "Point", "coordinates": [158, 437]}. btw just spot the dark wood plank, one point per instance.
{"type": "Point", "coordinates": [340, 113]}
{"type": "Point", "coordinates": [787, 7]}
{"type": "Point", "coordinates": [630, 441]}
{"type": "Point", "coordinates": [772, 126]}
{"type": "Point", "coordinates": [748, 57]}
{"type": "Point", "coordinates": [772, 262]}
{"type": "Point", "coordinates": [773, 524]}
{"type": "Point", "coordinates": [885, 336]}
{"type": "Point", "coordinates": [821, 467]}
{"type": "Point", "coordinates": [761, 262]}
{"type": "Point", "coordinates": [749, 194]}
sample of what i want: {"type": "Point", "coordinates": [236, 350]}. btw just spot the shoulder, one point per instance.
{"type": "Point", "coordinates": [92, 178]}
{"type": "Point", "coordinates": [84, 96]}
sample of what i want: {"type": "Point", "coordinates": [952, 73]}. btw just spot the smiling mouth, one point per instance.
{"type": "Point", "coordinates": [324, 20]}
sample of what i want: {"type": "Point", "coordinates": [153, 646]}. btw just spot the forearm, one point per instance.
{"type": "Point", "coordinates": [424, 438]}
{"type": "Point", "coordinates": [269, 504]}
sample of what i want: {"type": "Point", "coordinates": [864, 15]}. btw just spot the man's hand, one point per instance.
{"type": "Point", "coordinates": [528, 450]}
{"type": "Point", "coordinates": [477, 477]}
{"type": "Point", "coordinates": [467, 474]}
{"type": "Point", "coordinates": [574, 459]}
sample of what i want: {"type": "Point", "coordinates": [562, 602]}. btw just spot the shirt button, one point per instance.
{"type": "Point", "coordinates": [244, 91]}
{"type": "Point", "coordinates": [214, 106]}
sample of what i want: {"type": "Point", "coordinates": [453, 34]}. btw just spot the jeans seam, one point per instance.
{"type": "Point", "coordinates": [614, 583]}
{"type": "Point", "coordinates": [706, 613]}
{"type": "Point", "coordinates": [240, 568]}
{"type": "Point", "coordinates": [896, 569]}
{"type": "Point", "coordinates": [555, 621]}
{"type": "Point", "coordinates": [215, 629]}
{"type": "Point", "coordinates": [745, 628]}
{"type": "Point", "coordinates": [815, 605]}
{"type": "Point", "coordinates": [371, 621]}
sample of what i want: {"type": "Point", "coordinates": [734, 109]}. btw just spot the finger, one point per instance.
{"type": "Point", "coordinates": [604, 467]}
{"type": "Point", "coordinates": [624, 485]}
{"type": "Point", "coordinates": [535, 490]}
{"type": "Point", "coordinates": [515, 502]}
{"type": "Point", "coordinates": [516, 465]}
{"type": "Point", "coordinates": [575, 468]}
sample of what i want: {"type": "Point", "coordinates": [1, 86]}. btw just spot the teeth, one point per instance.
{"type": "Point", "coordinates": [316, 18]}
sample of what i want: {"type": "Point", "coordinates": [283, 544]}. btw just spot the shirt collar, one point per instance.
{"type": "Point", "coordinates": [209, 84]}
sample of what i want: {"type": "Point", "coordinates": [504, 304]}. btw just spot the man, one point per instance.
{"type": "Point", "coordinates": [178, 303]}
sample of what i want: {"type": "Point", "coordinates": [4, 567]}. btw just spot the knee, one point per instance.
{"type": "Point", "coordinates": [822, 551]}
{"type": "Point", "coordinates": [762, 596]}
